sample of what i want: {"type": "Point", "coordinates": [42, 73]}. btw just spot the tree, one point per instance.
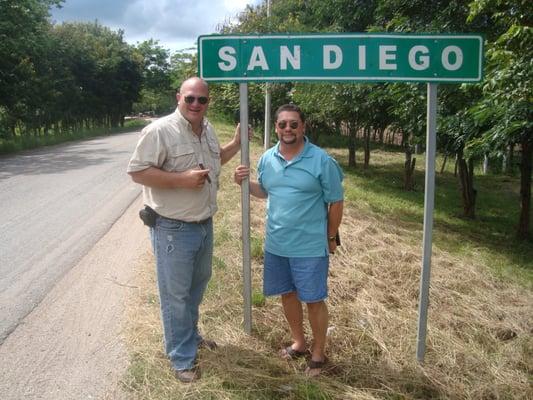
{"type": "Point", "coordinates": [157, 93]}
{"type": "Point", "coordinates": [183, 65]}
{"type": "Point", "coordinates": [409, 116]}
{"type": "Point", "coordinates": [106, 74]}
{"type": "Point", "coordinates": [23, 29]}
{"type": "Point", "coordinates": [506, 106]}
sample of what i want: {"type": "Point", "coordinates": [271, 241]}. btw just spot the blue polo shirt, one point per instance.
{"type": "Point", "coordinates": [298, 195]}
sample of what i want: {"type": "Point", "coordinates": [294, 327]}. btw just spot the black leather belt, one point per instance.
{"type": "Point", "coordinates": [203, 221]}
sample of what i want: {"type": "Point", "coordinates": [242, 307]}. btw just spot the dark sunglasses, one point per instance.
{"type": "Point", "coordinates": [201, 99]}
{"type": "Point", "coordinates": [292, 124]}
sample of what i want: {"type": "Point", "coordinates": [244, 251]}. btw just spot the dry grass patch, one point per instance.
{"type": "Point", "coordinates": [479, 335]}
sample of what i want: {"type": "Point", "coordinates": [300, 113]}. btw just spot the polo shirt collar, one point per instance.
{"type": "Point", "coordinates": [305, 153]}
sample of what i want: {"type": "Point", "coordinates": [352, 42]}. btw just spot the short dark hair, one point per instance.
{"type": "Point", "coordinates": [289, 107]}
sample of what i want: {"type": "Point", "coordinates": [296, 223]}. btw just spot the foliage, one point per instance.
{"type": "Point", "coordinates": [61, 77]}
{"type": "Point", "coordinates": [506, 108]}
{"type": "Point", "coordinates": [105, 72]}
{"type": "Point", "coordinates": [183, 65]}
{"type": "Point", "coordinates": [156, 95]}
{"type": "Point", "coordinates": [23, 25]}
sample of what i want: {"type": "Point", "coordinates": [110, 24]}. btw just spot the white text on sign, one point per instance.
{"type": "Point", "coordinates": [419, 56]}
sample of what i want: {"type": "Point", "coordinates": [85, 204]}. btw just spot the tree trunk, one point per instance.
{"type": "Point", "coordinates": [525, 187]}
{"type": "Point", "coordinates": [352, 131]}
{"type": "Point", "coordinates": [444, 163]}
{"type": "Point", "coordinates": [504, 162]}
{"type": "Point", "coordinates": [468, 193]}
{"type": "Point", "coordinates": [510, 163]}
{"type": "Point", "coordinates": [367, 147]}
{"type": "Point", "coordinates": [409, 169]}
{"type": "Point", "coordinates": [485, 164]}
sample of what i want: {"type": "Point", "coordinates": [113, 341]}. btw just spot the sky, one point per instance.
{"type": "Point", "coordinates": [175, 23]}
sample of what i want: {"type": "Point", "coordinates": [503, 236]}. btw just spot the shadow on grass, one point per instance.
{"type": "Point", "coordinates": [246, 374]}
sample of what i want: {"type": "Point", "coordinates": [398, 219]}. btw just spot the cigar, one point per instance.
{"type": "Point", "coordinates": [207, 176]}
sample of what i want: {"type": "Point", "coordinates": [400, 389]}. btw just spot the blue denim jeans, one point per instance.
{"type": "Point", "coordinates": [183, 253]}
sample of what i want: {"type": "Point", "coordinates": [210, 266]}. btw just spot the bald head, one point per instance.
{"type": "Point", "coordinates": [193, 100]}
{"type": "Point", "coordinates": [194, 82]}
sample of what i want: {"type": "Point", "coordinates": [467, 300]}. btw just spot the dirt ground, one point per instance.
{"type": "Point", "coordinates": [71, 346]}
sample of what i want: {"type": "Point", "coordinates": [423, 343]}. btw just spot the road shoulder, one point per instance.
{"type": "Point", "coordinates": [72, 344]}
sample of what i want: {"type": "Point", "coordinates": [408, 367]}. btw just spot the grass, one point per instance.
{"type": "Point", "coordinates": [491, 235]}
{"type": "Point", "coordinates": [479, 343]}
{"type": "Point", "coordinates": [26, 142]}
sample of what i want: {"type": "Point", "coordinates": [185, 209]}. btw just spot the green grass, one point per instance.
{"type": "Point", "coordinates": [258, 299]}
{"type": "Point", "coordinates": [491, 235]}
{"type": "Point", "coordinates": [256, 247]}
{"type": "Point", "coordinates": [26, 142]}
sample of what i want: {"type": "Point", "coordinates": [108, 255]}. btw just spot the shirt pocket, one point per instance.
{"type": "Point", "coordinates": [181, 158]}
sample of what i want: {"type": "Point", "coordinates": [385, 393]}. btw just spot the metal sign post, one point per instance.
{"type": "Point", "coordinates": [245, 201]}
{"type": "Point", "coordinates": [429, 202]}
{"type": "Point", "coordinates": [268, 97]}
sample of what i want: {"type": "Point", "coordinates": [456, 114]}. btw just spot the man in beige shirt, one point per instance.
{"type": "Point", "coordinates": [178, 160]}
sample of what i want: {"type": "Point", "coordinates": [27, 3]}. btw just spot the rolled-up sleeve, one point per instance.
{"type": "Point", "coordinates": [149, 152]}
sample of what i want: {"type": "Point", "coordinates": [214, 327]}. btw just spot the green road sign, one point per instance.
{"type": "Point", "coordinates": [377, 57]}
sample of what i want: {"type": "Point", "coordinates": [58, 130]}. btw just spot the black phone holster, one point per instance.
{"type": "Point", "coordinates": [148, 216]}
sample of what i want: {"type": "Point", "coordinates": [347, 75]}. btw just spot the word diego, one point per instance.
{"type": "Point", "coordinates": [341, 57]}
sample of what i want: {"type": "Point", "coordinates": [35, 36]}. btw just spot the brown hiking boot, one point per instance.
{"type": "Point", "coordinates": [187, 375]}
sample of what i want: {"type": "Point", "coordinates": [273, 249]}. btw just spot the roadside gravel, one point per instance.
{"type": "Point", "coordinates": [71, 346]}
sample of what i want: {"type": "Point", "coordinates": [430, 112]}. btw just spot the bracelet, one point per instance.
{"type": "Point", "coordinates": [331, 238]}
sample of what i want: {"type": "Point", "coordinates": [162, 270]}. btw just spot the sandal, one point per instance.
{"type": "Point", "coordinates": [314, 368]}
{"type": "Point", "coordinates": [288, 353]}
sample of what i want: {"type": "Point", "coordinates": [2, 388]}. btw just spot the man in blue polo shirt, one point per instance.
{"type": "Point", "coordinates": [303, 185]}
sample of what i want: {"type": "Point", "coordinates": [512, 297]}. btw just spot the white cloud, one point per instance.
{"type": "Point", "coordinates": [175, 23]}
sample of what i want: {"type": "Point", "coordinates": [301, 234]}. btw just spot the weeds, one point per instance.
{"type": "Point", "coordinates": [480, 322]}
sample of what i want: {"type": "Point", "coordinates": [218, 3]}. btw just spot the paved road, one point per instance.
{"type": "Point", "coordinates": [55, 204]}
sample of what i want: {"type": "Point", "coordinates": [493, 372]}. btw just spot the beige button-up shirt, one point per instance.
{"type": "Point", "coordinates": [171, 145]}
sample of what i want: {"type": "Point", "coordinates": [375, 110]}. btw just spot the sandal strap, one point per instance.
{"type": "Point", "coordinates": [292, 353]}
{"type": "Point", "coordinates": [312, 364]}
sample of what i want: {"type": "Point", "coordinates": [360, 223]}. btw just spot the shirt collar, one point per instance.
{"type": "Point", "coordinates": [305, 153]}
{"type": "Point", "coordinates": [184, 122]}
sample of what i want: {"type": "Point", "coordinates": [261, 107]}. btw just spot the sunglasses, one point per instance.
{"type": "Point", "coordinates": [190, 99]}
{"type": "Point", "coordinates": [292, 124]}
